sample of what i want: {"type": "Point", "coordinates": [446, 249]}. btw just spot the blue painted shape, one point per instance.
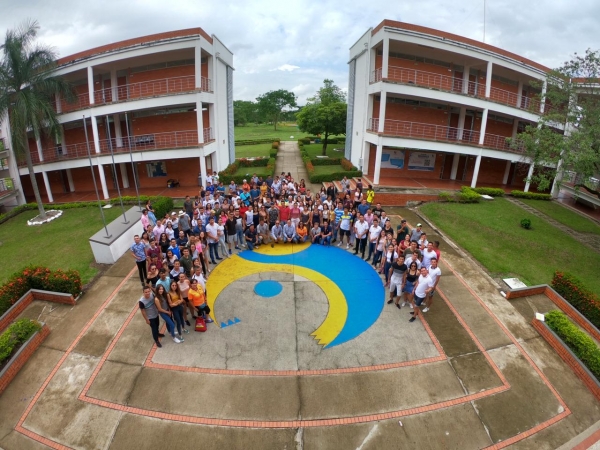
{"type": "Point", "coordinates": [236, 320]}
{"type": "Point", "coordinates": [397, 162]}
{"type": "Point", "coordinates": [230, 322]}
{"type": "Point", "coordinates": [385, 157]}
{"type": "Point", "coordinates": [223, 324]}
{"type": "Point", "coordinates": [268, 288]}
{"type": "Point", "coordinates": [357, 280]}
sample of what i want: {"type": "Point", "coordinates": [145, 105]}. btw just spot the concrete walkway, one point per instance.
{"type": "Point", "coordinates": [98, 381]}
{"type": "Point", "coordinates": [289, 160]}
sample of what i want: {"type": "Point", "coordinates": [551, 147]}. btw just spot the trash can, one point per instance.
{"type": "Point", "coordinates": [199, 179]}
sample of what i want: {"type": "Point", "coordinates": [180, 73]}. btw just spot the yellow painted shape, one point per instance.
{"type": "Point", "coordinates": [337, 314]}
{"type": "Point", "coordinates": [282, 249]}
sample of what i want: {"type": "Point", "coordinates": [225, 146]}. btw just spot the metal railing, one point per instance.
{"type": "Point", "coordinates": [3, 145]}
{"type": "Point", "coordinates": [441, 133]}
{"type": "Point", "coordinates": [455, 85]}
{"type": "Point", "coordinates": [208, 134]}
{"type": "Point", "coordinates": [144, 142]}
{"type": "Point", "coordinates": [6, 185]}
{"type": "Point", "coordinates": [139, 90]}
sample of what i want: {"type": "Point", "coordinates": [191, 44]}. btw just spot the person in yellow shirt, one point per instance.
{"type": "Point", "coordinates": [301, 232]}
{"type": "Point", "coordinates": [198, 299]}
{"type": "Point", "coordinates": [370, 195]}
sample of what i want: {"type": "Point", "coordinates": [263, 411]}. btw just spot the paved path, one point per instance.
{"type": "Point", "coordinates": [289, 160]}
{"type": "Point", "coordinates": [98, 381]}
{"type": "Point", "coordinates": [590, 240]}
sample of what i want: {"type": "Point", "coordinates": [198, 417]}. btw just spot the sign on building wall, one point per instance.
{"type": "Point", "coordinates": [156, 169]}
{"type": "Point", "coordinates": [421, 161]}
{"type": "Point", "coordinates": [392, 158]}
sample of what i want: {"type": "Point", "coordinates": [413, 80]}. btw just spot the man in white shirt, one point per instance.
{"type": "Point", "coordinates": [361, 229]}
{"type": "Point", "coordinates": [428, 254]}
{"type": "Point", "coordinates": [414, 258]}
{"type": "Point", "coordinates": [200, 277]}
{"type": "Point", "coordinates": [423, 287]}
{"type": "Point", "coordinates": [374, 232]}
{"type": "Point", "coordinates": [158, 229]}
{"type": "Point", "coordinates": [434, 273]}
{"type": "Point", "coordinates": [277, 232]}
{"type": "Point", "coordinates": [212, 231]}
{"type": "Point", "coordinates": [289, 232]}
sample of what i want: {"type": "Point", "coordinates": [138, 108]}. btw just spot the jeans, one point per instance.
{"type": "Point", "coordinates": [317, 240]}
{"type": "Point", "coordinates": [361, 243]}
{"type": "Point", "coordinates": [178, 316]}
{"type": "Point", "coordinates": [250, 245]}
{"type": "Point", "coordinates": [372, 246]}
{"type": "Point", "coordinates": [335, 231]}
{"type": "Point", "coordinates": [213, 248]}
{"type": "Point", "coordinates": [142, 270]}
{"type": "Point", "coordinates": [223, 246]}
{"type": "Point", "coordinates": [326, 240]}
{"type": "Point", "coordinates": [377, 257]}
{"type": "Point", "coordinates": [154, 327]}
{"type": "Point", "coordinates": [240, 237]}
{"type": "Point", "coordinates": [169, 322]}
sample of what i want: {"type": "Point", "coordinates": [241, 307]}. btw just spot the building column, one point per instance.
{"type": "Point", "coordinates": [114, 85]}
{"type": "Point", "coordinates": [519, 93]}
{"type": "Point", "coordinates": [212, 117]}
{"type": "Point", "coordinates": [476, 170]}
{"type": "Point", "coordinates": [198, 65]}
{"type": "Point", "coordinates": [38, 144]}
{"type": "Point", "coordinates": [95, 134]}
{"type": "Point", "coordinates": [124, 176]}
{"type": "Point", "coordinates": [377, 170]}
{"type": "Point", "coordinates": [370, 111]}
{"type": "Point", "coordinates": [454, 170]}
{"type": "Point", "coordinates": [461, 122]}
{"type": "Point", "coordinates": [506, 172]}
{"type": "Point", "coordinates": [543, 97]}
{"type": "Point", "coordinates": [529, 175]}
{"type": "Point", "coordinates": [365, 157]}
{"type": "Point", "coordinates": [465, 86]}
{"type": "Point", "coordinates": [90, 80]}
{"type": "Point", "coordinates": [483, 126]}
{"type": "Point", "coordinates": [70, 180]}
{"type": "Point", "coordinates": [118, 131]}
{"type": "Point", "coordinates": [58, 104]}
{"type": "Point", "coordinates": [203, 173]}
{"type": "Point", "coordinates": [63, 144]}
{"type": "Point", "coordinates": [103, 181]}
{"type": "Point", "coordinates": [488, 80]}
{"type": "Point", "coordinates": [47, 184]}
{"type": "Point", "coordinates": [515, 128]}
{"type": "Point", "coordinates": [199, 119]}
{"type": "Point", "coordinates": [382, 105]}
{"type": "Point", "coordinates": [386, 57]}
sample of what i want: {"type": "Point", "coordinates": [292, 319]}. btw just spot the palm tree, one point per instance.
{"type": "Point", "coordinates": [27, 92]}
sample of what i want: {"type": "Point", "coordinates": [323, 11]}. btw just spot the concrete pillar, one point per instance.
{"type": "Point", "coordinates": [58, 104]}
{"type": "Point", "coordinates": [199, 119]}
{"type": "Point", "coordinates": [488, 79]}
{"type": "Point", "coordinates": [38, 144]}
{"type": "Point", "coordinates": [476, 170]}
{"type": "Point", "coordinates": [465, 86]}
{"type": "Point", "coordinates": [377, 170]}
{"type": "Point", "coordinates": [461, 122]}
{"type": "Point", "coordinates": [506, 172]}
{"type": "Point", "coordinates": [454, 171]}
{"type": "Point", "coordinates": [47, 184]}
{"type": "Point", "coordinates": [557, 179]}
{"type": "Point", "coordinates": [382, 105]}
{"type": "Point", "coordinates": [124, 176]}
{"type": "Point", "coordinates": [114, 85]}
{"type": "Point", "coordinates": [118, 132]}
{"type": "Point", "coordinates": [212, 117]}
{"type": "Point", "coordinates": [103, 181]}
{"type": "Point", "coordinates": [203, 167]}
{"type": "Point", "coordinates": [386, 57]}
{"type": "Point", "coordinates": [90, 80]}
{"type": "Point", "coordinates": [483, 126]}
{"type": "Point", "coordinates": [63, 144]}
{"type": "Point", "coordinates": [70, 180]}
{"type": "Point", "coordinates": [211, 72]}
{"type": "Point", "coordinates": [365, 157]}
{"type": "Point", "coordinates": [370, 109]}
{"type": "Point", "coordinates": [515, 128]}
{"type": "Point", "coordinates": [198, 65]}
{"type": "Point", "coordinates": [529, 175]}
{"type": "Point", "coordinates": [543, 97]}
{"type": "Point", "coordinates": [519, 93]}
{"type": "Point", "coordinates": [95, 134]}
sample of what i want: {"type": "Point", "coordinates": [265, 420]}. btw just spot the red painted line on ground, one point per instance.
{"type": "Point", "coordinates": [589, 441]}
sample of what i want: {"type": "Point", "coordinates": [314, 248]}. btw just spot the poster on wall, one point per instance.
{"type": "Point", "coordinates": [392, 158]}
{"type": "Point", "coordinates": [421, 161]}
{"type": "Point", "coordinates": [156, 169]}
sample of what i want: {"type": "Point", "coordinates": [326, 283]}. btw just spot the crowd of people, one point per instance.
{"type": "Point", "coordinates": [174, 253]}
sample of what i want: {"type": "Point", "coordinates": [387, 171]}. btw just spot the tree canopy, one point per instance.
{"type": "Point", "coordinates": [325, 113]}
{"type": "Point", "coordinates": [244, 112]}
{"type": "Point", "coordinates": [573, 104]}
{"type": "Point", "coordinates": [27, 92]}
{"type": "Point", "coordinates": [272, 104]}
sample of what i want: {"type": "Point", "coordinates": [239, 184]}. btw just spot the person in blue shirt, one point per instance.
{"type": "Point", "coordinates": [210, 188]}
{"type": "Point", "coordinates": [363, 207]}
{"type": "Point", "coordinates": [138, 250]}
{"type": "Point", "coordinates": [254, 192]}
{"type": "Point", "coordinates": [174, 248]}
{"type": "Point", "coordinates": [245, 198]}
{"type": "Point", "coordinates": [339, 211]}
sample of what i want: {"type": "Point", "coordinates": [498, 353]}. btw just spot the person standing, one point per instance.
{"type": "Point", "coordinates": [421, 290]}
{"type": "Point", "coordinates": [428, 255]}
{"type": "Point", "coordinates": [212, 230]}
{"type": "Point", "coordinates": [434, 273]}
{"type": "Point", "coordinates": [361, 228]}
{"type": "Point", "coordinates": [397, 279]}
{"type": "Point", "coordinates": [344, 226]}
{"type": "Point", "coordinates": [138, 250]}
{"type": "Point", "coordinates": [147, 305]}
{"type": "Point", "coordinates": [374, 233]}
{"type": "Point", "coordinates": [164, 310]}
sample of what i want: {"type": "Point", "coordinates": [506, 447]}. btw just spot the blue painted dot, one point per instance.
{"type": "Point", "coordinates": [268, 288]}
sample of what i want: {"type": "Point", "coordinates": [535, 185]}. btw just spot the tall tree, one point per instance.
{"type": "Point", "coordinates": [272, 103]}
{"type": "Point", "coordinates": [244, 111]}
{"type": "Point", "coordinates": [27, 92]}
{"type": "Point", "coordinates": [325, 113]}
{"type": "Point", "coordinates": [573, 95]}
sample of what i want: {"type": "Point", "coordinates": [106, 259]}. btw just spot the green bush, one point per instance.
{"type": "Point", "coordinates": [578, 341]}
{"type": "Point", "coordinates": [326, 161]}
{"type": "Point", "coordinates": [347, 165]}
{"type": "Point", "coordinates": [578, 295]}
{"type": "Point", "coordinates": [275, 145]}
{"type": "Point", "coordinates": [320, 178]}
{"type": "Point", "coordinates": [263, 167]}
{"type": "Point", "coordinates": [162, 206]}
{"type": "Point", "coordinates": [446, 196]}
{"type": "Point", "coordinates": [530, 195]}
{"type": "Point", "coordinates": [273, 153]}
{"type": "Point", "coordinates": [256, 141]}
{"type": "Point", "coordinates": [526, 223]}
{"type": "Point", "coordinates": [306, 141]}
{"type": "Point", "coordinates": [15, 335]}
{"type": "Point", "coordinates": [494, 192]}
{"type": "Point", "coordinates": [467, 195]}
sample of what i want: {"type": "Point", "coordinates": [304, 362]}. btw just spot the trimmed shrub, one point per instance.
{"type": "Point", "coordinates": [162, 206]}
{"type": "Point", "coordinates": [526, 223]}
{"type": "Point", "coordinates": [326, 161]}
{"type": "Point", "coordinates": [467, 195]}
{"type": "Point", "coordinates": [347, 165]}
{"type": "Point", "coordinates": [306, 141]}
{"type": "Point", "coordinates": [273, 153]}
{"type": "Point", "coordinates": [530, 195]}
{"type": "Point", "coordinates": [15, 335]}
{"type": "Point", "coordinates": [446, 196]}
{"type": "Point", "coordinates": [578, 295]}
{"type": "Point", "coordinates": [263, 167]}
{"type": "Point", "coordinates": [494, 192]}
{"type": "Point", "coordinates": [256, 141]}
{"type": "Point", "coordinates": [275, 145]}
{"type": "Point", "coordinates": [578, 341]}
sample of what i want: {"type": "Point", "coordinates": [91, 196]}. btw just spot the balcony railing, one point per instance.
{"type": "Point", "coordinates": [7, 185]}
{"type": "Point", "coordinates": [455, 85]}
{"type": "Point", "coordinates": [144, 142]}
{"type": "Point", "coordinates": [441, 133]}
{"type": "Point", "coordinates": [143, 89]}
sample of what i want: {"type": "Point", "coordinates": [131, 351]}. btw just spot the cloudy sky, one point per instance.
{"type": "Point", "coordinates": [294, 45]}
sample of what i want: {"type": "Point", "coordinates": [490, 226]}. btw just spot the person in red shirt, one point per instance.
{"type": "Point", "coordinates": [284, 213]}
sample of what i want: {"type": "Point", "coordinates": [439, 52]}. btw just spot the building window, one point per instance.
{"type": "Point", "coordinates": [156, 169]}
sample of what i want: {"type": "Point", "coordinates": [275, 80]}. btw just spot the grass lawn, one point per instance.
{"type": "Point", "coordinates": [564, 215]}
{"type": "Point", "coordinates": [248, 151]}
{"type": "Point", "coordinates": [263, 131]}
{"type": "Point", "coordinates": [315, 150]}
{"type": "Point", "coordinates": [60, 244]}
{"type": "Point", "coordinates": [248, 171]}
{"type": "Point", "coordinates": [491, 232]}
{"type": "Point", "coordinates": [328, 169]}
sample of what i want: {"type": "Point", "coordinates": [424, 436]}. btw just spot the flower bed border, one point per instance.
{"type": "Point", "coordinates": [19, 359]}
{"type": "Point", "coordinates": [568, 357]}
{"type": "Point", "coordinates": [560, 302]}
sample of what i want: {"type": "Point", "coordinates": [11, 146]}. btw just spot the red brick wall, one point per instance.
{"type": "Point", "coordinates": [498, 128]}
{"type": "Point", "coordinates": [20, 305]}
{"type": "Point", "coordinates": [159, 74]}
{"type": "Point", "coordinates": [409, 113]}
{"type": "Point", "coordinates": [491, 170]}
{"type": "Point", "coordinates": [504, 86]}
{"type": "Point", "coordinates": [160, 124]}
{"type": "Point", "coordinates": [405, 173]}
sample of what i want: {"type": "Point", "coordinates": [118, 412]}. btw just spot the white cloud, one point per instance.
{"type": "Point", "coordinates": [286, 68]}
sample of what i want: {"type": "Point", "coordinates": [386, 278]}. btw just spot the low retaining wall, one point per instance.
{"type": "Point", "coordinates": [560, 302]}
{"type": "Point", "coordinates": [22, 356]}
{"type": "Point", "coordinates": [568, 356]}
{"type": "Point", "coordinates": [107, 250]}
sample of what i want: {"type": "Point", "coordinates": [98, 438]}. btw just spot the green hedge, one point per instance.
{"type": "Point", "coordinates": [494, 192]}
{"type": "Point", "coordinates": [578, 295]}
{"type": "Point", "coordinates": [578, 341]}
{"type": "Point", "coordinates": [16, 334]}
{"type": "Point", "coordinates": [320, 178]}
{"type": "Point", "coordinates": [326, 161]}
{"type": "Point", "coordinates": [257, 141]}
{"type": "Point", "coordinates": [531, 195]}
{"type": "Point", "coordinates": [467, 195]}
{"type": "Point", "coordinates": [263, 167]}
